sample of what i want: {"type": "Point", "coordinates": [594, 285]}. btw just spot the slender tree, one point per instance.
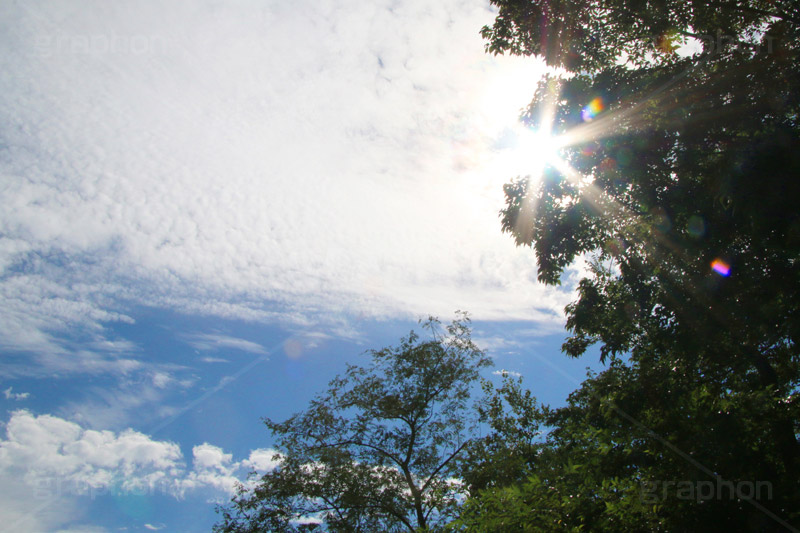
{"type": "Point", "coordinates": [378, 451]}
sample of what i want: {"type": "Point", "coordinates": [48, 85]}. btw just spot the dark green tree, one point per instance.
{"type": "Point", "coordinates": [679, 183]}
{"type": "Point", "coordinates": [632, 450]}
{"type": "Point", "coordinates": [574, 480]}
{"type": "Point", "coordinates": [514, 423]}
{"type": "Point", "coordinates": [378, 451]}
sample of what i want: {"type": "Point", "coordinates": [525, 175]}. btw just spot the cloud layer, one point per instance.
{"type": "Point", "coordinates": [252, 160]}
{"type": "Point", "coordinates": [48, 463]}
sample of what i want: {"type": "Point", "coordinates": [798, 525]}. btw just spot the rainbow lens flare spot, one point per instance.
{"type": "Point", "coordinates": [721, 267]}
{"type": "Point", "coordinates": [592, 109]}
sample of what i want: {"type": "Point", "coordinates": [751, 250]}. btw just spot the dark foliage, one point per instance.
{"type": "Point", "coordinates": [681, 187]}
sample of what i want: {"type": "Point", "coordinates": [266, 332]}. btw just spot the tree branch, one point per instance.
{"type": "Point", "coordinates": [333, 506]}
{"type": "Point", "coordinates": [446, 461]}
{"type": "Point", "coordinates": [378, 449]}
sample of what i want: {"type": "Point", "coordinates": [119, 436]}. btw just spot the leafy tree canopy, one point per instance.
{"type": "Point", "coordinates": [678, 182]}
{"type": "Point", "coordinates": [625, 454]}
{"type": "Point", "coordinates": [592, 35]}
{"type": "Point", "coordinates": [378, 451]}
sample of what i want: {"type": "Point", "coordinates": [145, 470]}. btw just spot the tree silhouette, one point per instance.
{"type": "Point", "coordinates": [679, 183]}
{"type": "Point", "coordinates": [378, 450]}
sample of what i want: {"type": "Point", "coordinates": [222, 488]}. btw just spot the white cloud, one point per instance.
{"type": "Point", "coordinates": [208, 457]}
{"type": "Point", "coordinates": [214, 468]}
{"type": "Point", "coordinates": [206, 159]}
{"type": "Point", "coordinates": [38, 311]}
{"type": "Point", "coordinates": [505, 373]}
{"type": "Point", "coordinates": [214, 360]}
{"type": "Point", "coordinates": [138, 399]}
{"type": "Point", "coordinates": [161, 379]}
{"type": "Point", "coordinates": [262, 460]}
{"type": "Point", "coordinates": [47, 464]}
{"type": "Point", "coordinates": [15, 395]}
{"type": "Point", "coordinates": [215, 342]}
{"type": "Point", "coordinates": [151, 527]}
{"type": "Point", "coordinates": [51, 448]}
{"type": "Point", "coordinates": [494, 344]}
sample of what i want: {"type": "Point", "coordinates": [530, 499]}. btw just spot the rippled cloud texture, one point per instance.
{"type": "Point", "coordinates": [259, 160]}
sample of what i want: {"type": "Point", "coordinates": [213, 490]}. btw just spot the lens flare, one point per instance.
{"type": "Point", "coordinates": [592, 109]}
{"type": "Point", "coordinates": [696, 226]}
{"type": "Point", "coordinates": [721, 267]}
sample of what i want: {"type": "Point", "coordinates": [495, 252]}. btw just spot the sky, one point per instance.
{"type": "Point", "coordinates": [209, 208]}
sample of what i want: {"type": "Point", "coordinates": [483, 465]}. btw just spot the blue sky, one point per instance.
{"type": "Point", "coordinates": [209, 208]}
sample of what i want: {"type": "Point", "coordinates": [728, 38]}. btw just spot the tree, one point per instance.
{"type": "Point", "coordinates": [679, 184]}
{"type": "Point", "coordinates": [574, 480]}
{"type": "Point", "coordinates": [378, 450]}
{"type": "Point", "coordinates": [630, 451]}
{"type": "Point", "coordinates": [513, 419]}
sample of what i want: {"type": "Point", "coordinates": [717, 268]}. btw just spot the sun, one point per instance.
{"type": "Point", "coordinates": [538, 149]}
{"type": "Point", "coordinates": [518, 149]}
{"type": "Point", "coordinates": [526, 152]}
{"type": "Point", "coordinates": [504, 147]}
